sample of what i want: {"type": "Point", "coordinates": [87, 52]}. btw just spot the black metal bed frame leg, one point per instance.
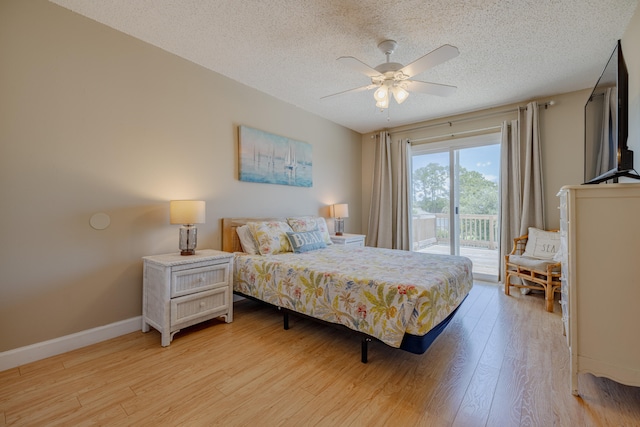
{"type": "Point", "coordinates": [365, 348]}
{"type": "Point", "coordinates": [365, 339]}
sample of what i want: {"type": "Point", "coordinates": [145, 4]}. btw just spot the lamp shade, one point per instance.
{"type": "Point", "coordinates": [341, 210]}
{"type": "Point", "coordinates": [187, 212]}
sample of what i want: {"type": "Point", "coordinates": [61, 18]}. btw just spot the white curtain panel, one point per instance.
{"type": "Point", "coordinates": [532, 213]}
{"type": "Point", "coordinates": [402, 215]}
{"type": "Point", "coordinates": [510, 189]}
{"type": "Point", "coordinates": [380, 232]}
{"type": "Point", "coordinates": [532, 188]}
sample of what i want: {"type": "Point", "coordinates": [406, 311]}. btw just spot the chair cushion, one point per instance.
{"type": "Point", "coordinates": [533, 263]}
{"type": "Point", "coordinates": [542, 244]}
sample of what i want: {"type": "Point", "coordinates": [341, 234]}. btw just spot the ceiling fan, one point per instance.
{"type": "Point", "coordinates": [394, 78]}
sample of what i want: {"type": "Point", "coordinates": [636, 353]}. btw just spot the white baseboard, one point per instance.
{"type": "Point", "coordinates": [42, 350]}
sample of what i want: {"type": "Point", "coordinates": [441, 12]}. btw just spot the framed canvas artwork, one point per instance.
{"type": "Point", "coordinates": [273, 159]}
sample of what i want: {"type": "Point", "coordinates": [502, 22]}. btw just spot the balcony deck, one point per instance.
{"type": "Point", "coordinates": [485, 261]}
{"type": "Point", "coordinates": [431, 230]}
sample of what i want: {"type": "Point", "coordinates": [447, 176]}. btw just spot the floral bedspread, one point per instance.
{"type": "Point", "coordinates": [381, 292]}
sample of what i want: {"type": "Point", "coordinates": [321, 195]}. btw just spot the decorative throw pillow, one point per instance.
{"type": "Point", "coordinates": [558, 257]}
{"type": "Point", "coordinates": [311, 223]}
{"type": "Point", "coordinates": [306, 241]}
{"type": "Point", "coordinates": [542, 244]}
{"type": "Point", "coordinates": [271, 236]}
{"type": "Point", "coordinates": [246, 240]}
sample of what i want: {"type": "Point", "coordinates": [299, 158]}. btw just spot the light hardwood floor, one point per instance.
{"type": "Point", "coordinates": [502, 361]}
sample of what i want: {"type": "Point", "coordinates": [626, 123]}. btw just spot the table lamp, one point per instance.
{"type": "Point", "coordinates": [187, 213]}
{"type": "Point", "coordinates": [340, 211]}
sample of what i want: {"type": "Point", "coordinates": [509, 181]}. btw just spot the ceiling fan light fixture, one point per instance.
{"type": "Point", "coordinates": [399, 75]}
{"type": "Point", "coordinates": [383, 103]}
{"type": "Point", "coordinates": [400, 94]}
{"type": "Point", "coordinates": [381, 94]}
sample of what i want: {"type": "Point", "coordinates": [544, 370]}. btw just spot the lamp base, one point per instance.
{"type": "Point", "coordinates": [188, 239]}
{"type": "Point", "coordinates": [339, 226]}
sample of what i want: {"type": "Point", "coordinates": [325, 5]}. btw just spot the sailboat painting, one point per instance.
{"type": "Point", "coordinates": [273, 159]}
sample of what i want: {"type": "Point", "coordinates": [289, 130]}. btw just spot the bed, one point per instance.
{"type": "Point", "coordinates": [403, 299]}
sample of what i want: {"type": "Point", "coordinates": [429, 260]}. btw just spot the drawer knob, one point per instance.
{"type": "Point", "coordinates": [202, 304]}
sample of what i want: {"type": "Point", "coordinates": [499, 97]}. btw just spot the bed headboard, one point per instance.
{"type": "Point", "coordinates": [230, 239]}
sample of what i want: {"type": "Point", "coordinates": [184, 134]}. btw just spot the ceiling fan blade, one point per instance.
{"type": "Point", "coordinates": [358, 89]}
{"type": "Point", "coordinates": [431, 59]}
{"type": "Point", "coordinates": [430, 88]}
{"type": "Point", "coordinates": [359, 66]}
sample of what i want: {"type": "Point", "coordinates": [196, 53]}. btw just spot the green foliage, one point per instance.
{"type": "Point", "coordinates": [478, 195]}
{"type": "Point", "coordinates": [431, 188]}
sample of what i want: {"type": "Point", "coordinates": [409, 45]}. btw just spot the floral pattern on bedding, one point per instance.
{"type": "Point", "coordinates": [381, 292]}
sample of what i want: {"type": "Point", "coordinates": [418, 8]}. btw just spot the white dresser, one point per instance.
{"type": "Point", "coordinates": [180, 291]}
{"type": "Point", "coordinates": [600, 295]}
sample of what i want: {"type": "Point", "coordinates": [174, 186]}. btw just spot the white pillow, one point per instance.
{"type": "Point", "coordinates": [542, 244]}
{"type": "Point", "coordinates": [246, 240]}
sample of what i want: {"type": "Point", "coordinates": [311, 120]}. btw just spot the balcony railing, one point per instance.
{"type": "Point", "coordinates": [477, 231]}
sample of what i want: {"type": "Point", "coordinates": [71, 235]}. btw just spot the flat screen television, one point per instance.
{"type": "Point", "coordinates": [606, 154]}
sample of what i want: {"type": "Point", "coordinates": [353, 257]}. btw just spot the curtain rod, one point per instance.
{"type": "Point", "coordinates": [451, 135]}
{"type": "Point", "coordinates": [495, 113]}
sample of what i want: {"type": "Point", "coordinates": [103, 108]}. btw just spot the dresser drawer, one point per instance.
{"type": "Point", "coordinates": [203, 304]}
{"type": "Point", "coordinates": [185, 282]}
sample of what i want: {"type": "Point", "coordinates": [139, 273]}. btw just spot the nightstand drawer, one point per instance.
{"type": "Point", "coordinates": [202, 304]}
{"type": "Point", "coordinates": [192, 280]}
{"type": "Point", "coordinates": [349, 239]}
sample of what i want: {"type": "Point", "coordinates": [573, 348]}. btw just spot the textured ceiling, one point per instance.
{"type": "Point", "coordinates": [510, 50]}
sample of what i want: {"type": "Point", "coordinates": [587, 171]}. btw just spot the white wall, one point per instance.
{"type": "Point", "coordinates": [92, 120]}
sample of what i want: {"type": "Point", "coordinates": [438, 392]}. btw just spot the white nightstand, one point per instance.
{"type": "Point", "coordinates": [349, 239]}
{"type": "Point", "coordinates": [180, 291]}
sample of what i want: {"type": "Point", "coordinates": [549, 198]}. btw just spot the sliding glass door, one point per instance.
{"type": "Point", "coordinates": [455, 200]}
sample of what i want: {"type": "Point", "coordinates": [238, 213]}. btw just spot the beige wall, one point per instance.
{"type": "Point", "coordinates": [562, 138]}
{"type": "Point", "coordinates": [92, 120]}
